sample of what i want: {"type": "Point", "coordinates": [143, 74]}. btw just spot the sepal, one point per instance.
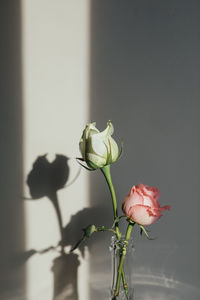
{"type": "Point", "coordinates": [82, 165]}
{"type": "Point", "coordinates": [89, 230]}
{"type": "Point", "coordinates": [121, 149]}
{"type": "Point", "coordinates": [142, 229]}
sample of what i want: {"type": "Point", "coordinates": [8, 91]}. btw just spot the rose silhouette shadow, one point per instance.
{"type": "Point", "coordinates": [65, 265]}
{"type": "Point", "coordinates": [44, 180]}
{"type": "Point", "coordinates": [91, 215]}
{"type": "Point", "coordinates": [65, 269]}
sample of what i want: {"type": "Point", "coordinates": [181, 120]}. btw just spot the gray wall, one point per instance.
{"type": "Point", "coordinates": [12, 277]}
{"type": "Point", "coordinates": [145, 71]}
{"type": "Point", "coordinates": [145, 78]}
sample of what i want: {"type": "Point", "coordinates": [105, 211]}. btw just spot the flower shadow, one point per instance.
{"type": "Point", "coordinates": [44, 180]}
{"type": "Point", "coordinates": [72, 231]}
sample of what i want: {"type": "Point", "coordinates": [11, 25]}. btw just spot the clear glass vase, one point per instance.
{"type": "Point", "coordinates": [116, 249]}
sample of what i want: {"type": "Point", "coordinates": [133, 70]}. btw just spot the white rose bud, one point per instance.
{"type": "Point", "coordinates": [98, 149]}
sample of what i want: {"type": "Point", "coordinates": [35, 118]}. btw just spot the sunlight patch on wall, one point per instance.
{"type": "Point", "coordinates": [56, 104]}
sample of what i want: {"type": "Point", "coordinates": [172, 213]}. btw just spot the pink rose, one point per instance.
{"type": "Point", "coordinates": [142, 206]}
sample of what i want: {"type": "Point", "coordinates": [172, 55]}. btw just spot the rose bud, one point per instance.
{"type": "Point", "coordinates": [142, 206]}
{"type": "Point", "coordinates": [98, 149]}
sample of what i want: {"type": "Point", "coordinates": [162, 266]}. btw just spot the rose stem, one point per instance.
{"type": "Point", "coordinates": [122, 257]}
{"type": "Point", "coordinates": [106, 172]}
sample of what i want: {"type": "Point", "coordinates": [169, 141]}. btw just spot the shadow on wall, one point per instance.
{"type": "Point", "coordinates": [12, 281]}
{"type": "Point", "coordinates": [44, 180]}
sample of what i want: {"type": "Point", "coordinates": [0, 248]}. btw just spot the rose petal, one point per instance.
{"type": "Point", "coordinates": [96, 159]}
{"type": "Point", "coordinates": [140, 214]}
{"type": "Point", "coordinates": [90, 129]}
{"type": "Point", "coordinates": [106, 132]}
{"type": "Point", "coordinates": [142, 206]}
{"type": "Point", "coordinates": [150, 191]}
{"type": "Point", "coordinates": [157, 211]}
{"type": "Point", "coordinates": [130, 201]}
{"type": "Point", "coordinates": [96, 146]}
{"type": "Point", "coordinates": [136, 198]}
{"type": "Point", "coordinates": [114, 149]}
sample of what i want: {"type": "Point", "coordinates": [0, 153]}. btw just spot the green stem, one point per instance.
{"type": "Point", "coordinates": [106, 172]}
{"type": "Point", "coordinates": [122, 257]}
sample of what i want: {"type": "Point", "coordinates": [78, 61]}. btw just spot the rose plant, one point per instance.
{"type": "Point", "coordinates": [141, 207]}
{"type": "Point", "coordinates": [98, 149]}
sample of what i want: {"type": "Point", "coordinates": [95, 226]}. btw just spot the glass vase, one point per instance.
{"type": "Point", "coordinates": [116, 248]}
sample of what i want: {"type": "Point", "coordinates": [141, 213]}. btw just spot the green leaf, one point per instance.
{"type": "Point", "coordinates": [78, 243]}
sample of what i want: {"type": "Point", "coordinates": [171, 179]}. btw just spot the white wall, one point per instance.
{"type": "Point", "coordinates": [55, 37]}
